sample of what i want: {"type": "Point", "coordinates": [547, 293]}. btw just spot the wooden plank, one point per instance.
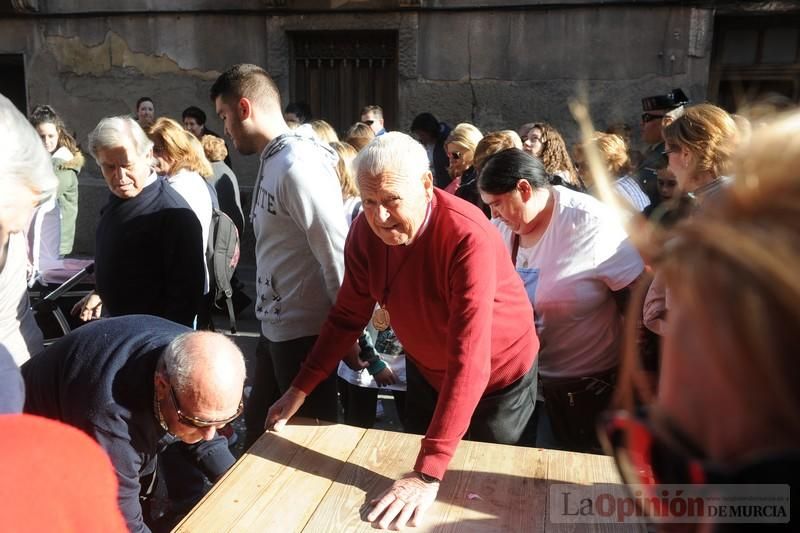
{"type": "Point", "coordinates": [279, 472]}
{"type": "Point", "coordinates": [582, 469]}
{"type": "Point", "coordinates": [302, 484]}
{"type": "Point", "coordinates": [488, 487]}
{"type": "Point", "coordinates": [381, 457]}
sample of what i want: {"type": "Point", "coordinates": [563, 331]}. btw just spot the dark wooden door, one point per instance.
{"type": "Point", "coordinates": [754, 57]}
{"type": "Point", "coordinates": [12, 80]}
{"type": "Point", "coordinates": [338, 73]}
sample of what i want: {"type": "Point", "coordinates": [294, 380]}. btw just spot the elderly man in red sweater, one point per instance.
{"type": "Point", "coordinates": [442, 278]}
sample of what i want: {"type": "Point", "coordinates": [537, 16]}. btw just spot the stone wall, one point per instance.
{"type": "Point", "coordinates": [497, 68]}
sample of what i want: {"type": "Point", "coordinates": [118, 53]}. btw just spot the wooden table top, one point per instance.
{"type": "Point", "coordinates": [316, 476]}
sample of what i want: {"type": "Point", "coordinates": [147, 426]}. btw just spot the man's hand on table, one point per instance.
{"type": "Point", "coordinates": [282, 410]}
{"type": "Point", "coordinates": [408, 498]}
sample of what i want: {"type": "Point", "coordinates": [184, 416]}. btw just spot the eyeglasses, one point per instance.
{"type": "Point", "coordinates": [668, 149]}
{"type": "Point", "coordinates": [199, 422]}
{"type": "Point", "coordinates": [455, 155]}
{"type": "Point", "coordinates": [650, 451]}
{"type": "Point", "coordinates": [647, 117]}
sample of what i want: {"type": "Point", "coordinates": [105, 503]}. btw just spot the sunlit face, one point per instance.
{"type": "Point", "coordinates": [195, 404]}
{"type": "Point", "coordinates": [190, 124]}
{"type": "Point", "coordinates": [373, 121]}
{"type": "Point", "coordinates": [682, 165]}
{"type": "Point", "coordinates": [146, 113]}
{"type": "Point", "coordinates": [395, 205]}
{"type": "Point", "coordinates": [459, 158]}
{"type": "Point", "coordinates": [162, 162]}
{"type": "Point", "coordinates": [48, 133]}
{"type": "Point", "coordinates": [508, 207]}
{"type": "Point", "coordinates": [234, 126]}
{"type": "Point", "coordinates": [534, 143]}
{"type": "Point", "coordinates": [124, 170]}
{"type": "Point", "coordinates": [17, 202]}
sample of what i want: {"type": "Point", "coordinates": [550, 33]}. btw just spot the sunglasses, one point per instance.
{"type": "Point", "coordinates": [199, 423]}
{"type": "Point", "coordinates": [368, 122]}
{"type": "Point", "coordinates": [647, 117]}
{"type": "Point", "coordinates": [455, 155]}
{"type": "Point", "coordinates": [670, 150]}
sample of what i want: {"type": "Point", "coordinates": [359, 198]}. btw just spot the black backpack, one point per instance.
{"type": "Point", "coordinates": [222, 256]}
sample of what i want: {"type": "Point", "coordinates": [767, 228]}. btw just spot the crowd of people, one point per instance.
{"type": "Point", "coordinates": [507, 288]}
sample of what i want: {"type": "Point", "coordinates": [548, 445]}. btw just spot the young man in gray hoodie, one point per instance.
{"type": "Point", "coordinates": [300, 232]}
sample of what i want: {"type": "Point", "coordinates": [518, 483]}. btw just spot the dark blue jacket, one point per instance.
{"type": "Point", "coordinates": [149, 255]}
{"type": "Point", "coordinates": [99, 378]}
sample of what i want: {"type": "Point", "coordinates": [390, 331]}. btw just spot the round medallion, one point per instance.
{"type": "Point", "coordinates": [380, 319]}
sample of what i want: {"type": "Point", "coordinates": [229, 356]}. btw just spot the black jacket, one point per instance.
{"type": "Point", "coordinates": [149, 255]}
{"type": "Point", "coordinates": [99, 378]}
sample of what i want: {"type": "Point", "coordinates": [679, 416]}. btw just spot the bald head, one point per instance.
{"type": "Point", "coordinates": [205, 363]}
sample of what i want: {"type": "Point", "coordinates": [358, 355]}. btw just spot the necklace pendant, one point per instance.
{"type": "Point", "coordinates": [380, 319]}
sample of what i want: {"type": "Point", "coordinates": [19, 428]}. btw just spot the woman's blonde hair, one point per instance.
{"type": "Point", "coordinates": [466, 136]}
{"type": "Point", "coordinates": [492, 143]}
{"type": "Point", "coordinates": [214, 148]}
{"type": "Point", "coordinates": [613, 151]}
{"type": "Point", "coordinates": [344, 169]}
{"type": "Point", "coordinates": [555, 156]}
{"type": "Point", "coordinates": [181, 147]}
{"type": "Point", "coordinates": [708, 132]}
{"type": "Point", "coordinates": [324, 131]}
{"type": "Point", "coordinates": [359, 135]}
{"type": "Point", "coordinates": [733, 269]}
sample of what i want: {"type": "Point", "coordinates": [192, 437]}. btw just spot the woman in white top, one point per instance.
{"type": "Point", "coordinates": [26, 181]}
{"type": "Point", "coordinates": [576, 263]}
{"type": "Point", "coordinates": [179, 158]}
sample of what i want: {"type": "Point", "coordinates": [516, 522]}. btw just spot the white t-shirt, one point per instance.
{"type": "Point", "coordinates": [193, 188]}
{"type": "Point", "coordinates": [583, 255]}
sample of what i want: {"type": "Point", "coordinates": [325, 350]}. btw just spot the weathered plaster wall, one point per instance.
{"type": "Point", "coordinates": [497, 69]}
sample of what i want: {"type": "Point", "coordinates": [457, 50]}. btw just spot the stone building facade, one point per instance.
{"type": "Point", "coordinates": [495, 63]}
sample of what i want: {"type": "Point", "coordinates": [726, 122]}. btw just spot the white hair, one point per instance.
{"type": "Point", "coordinates": [181, 357]}
{"type": "Point", "coordinates": [23, 158]}
{"type": "Point", "coordinates": [112, 132]}
{"type": "Point", "coordinates": [395, 152]}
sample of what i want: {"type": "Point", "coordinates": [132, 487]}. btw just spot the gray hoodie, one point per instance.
{"type": "Point", "coordinates": [300, 234]}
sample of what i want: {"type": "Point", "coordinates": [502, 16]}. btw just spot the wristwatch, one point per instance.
{"type": "Point", "coordinates": [427, 479]}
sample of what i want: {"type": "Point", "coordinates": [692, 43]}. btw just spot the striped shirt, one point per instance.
{"type": "Point", "coordinates": [629, 188]}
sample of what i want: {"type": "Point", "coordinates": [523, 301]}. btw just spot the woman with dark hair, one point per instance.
{"type": "Point", "coordinates": [546, 144]}
{"type": "Point", "coordinates": [577, 264]}
{"type": "Point", "coordinates": [67, 163]}
{"type": "Point", "coordinates": [145, 112]}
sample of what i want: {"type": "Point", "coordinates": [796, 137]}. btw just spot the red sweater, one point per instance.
{"type": "Point", "coordinates": [457, 305]}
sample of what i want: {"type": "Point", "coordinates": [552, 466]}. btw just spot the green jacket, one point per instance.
{"type": "Point", "coordinates": [67, 173]}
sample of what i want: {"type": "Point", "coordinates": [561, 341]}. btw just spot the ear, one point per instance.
{"type": "Point", "coordinates": [525, 189]}
{"type": "Point", "coordinates": [161, 384]}
{"type": "Point", "coordinates": [244, 108]}
{"type": "Point", "coordinates": [427, 183]}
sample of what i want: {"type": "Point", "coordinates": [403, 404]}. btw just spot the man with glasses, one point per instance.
{"type": "Point", "coordinates": [372, 116]}
{"type": "Point", "coordinates": [137, 384]}
{"type": "Point", "coordinates": [655, 108]}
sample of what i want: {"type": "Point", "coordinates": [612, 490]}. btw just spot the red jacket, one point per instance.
{"type": "Point", "coordinates": [457, 305]}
